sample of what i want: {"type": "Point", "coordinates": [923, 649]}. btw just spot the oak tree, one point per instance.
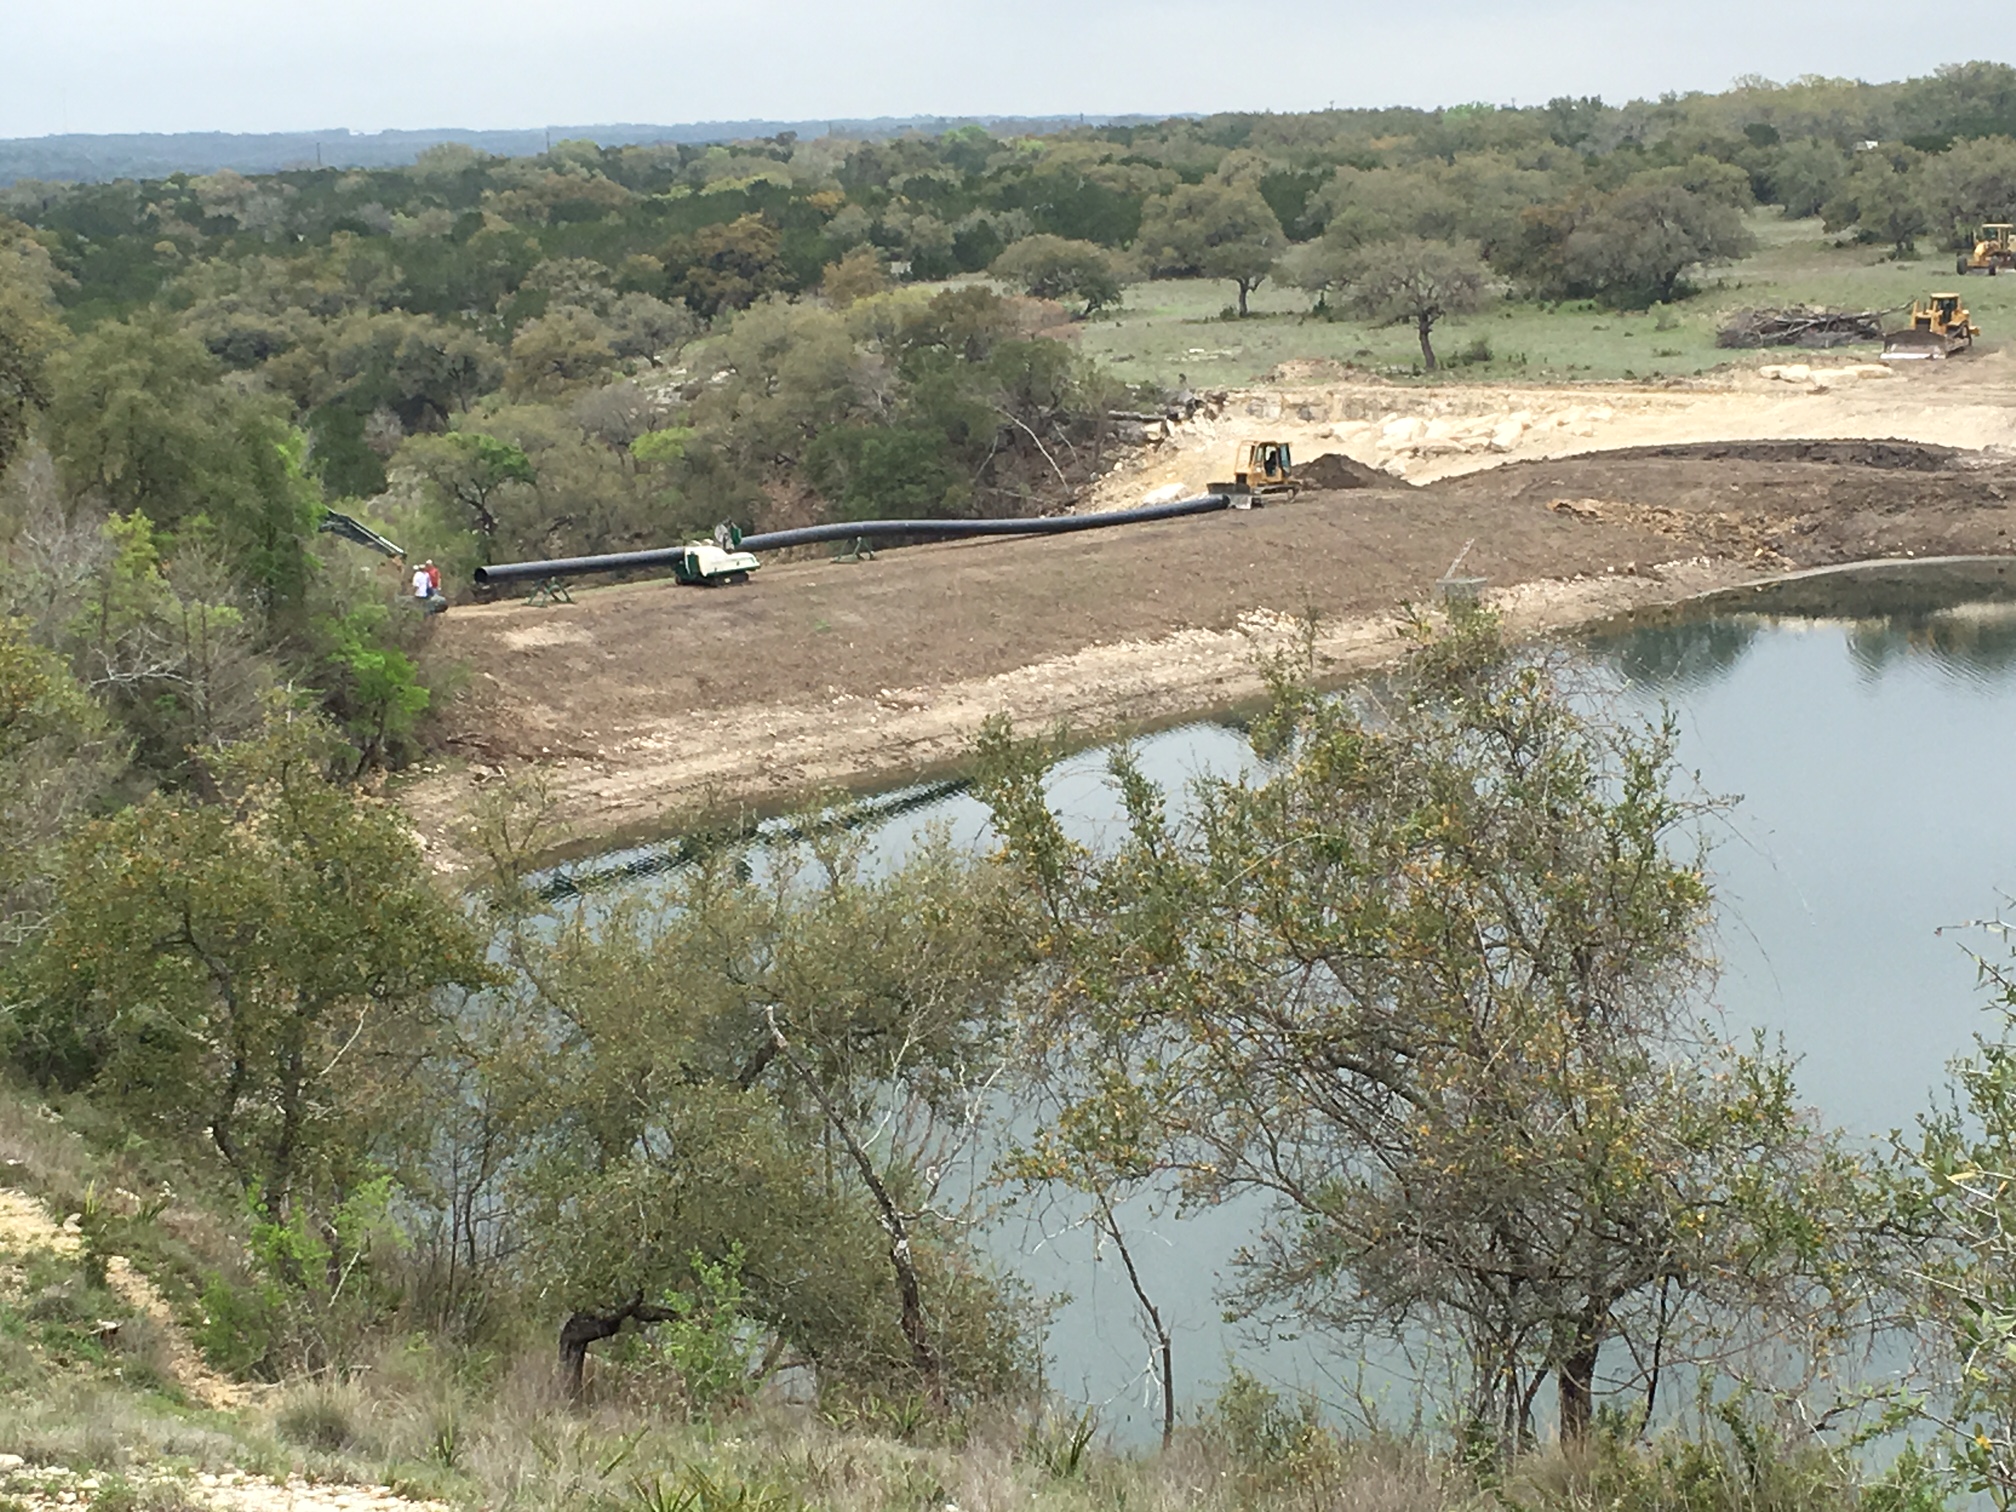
{"type": "Point", "coordinates": [1213, 230]}
{"type": "Point", "coordinates": [1415, 282]}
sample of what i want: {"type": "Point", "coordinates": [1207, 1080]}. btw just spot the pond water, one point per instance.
{"type": "Point", "coordinates": [1865, 722]}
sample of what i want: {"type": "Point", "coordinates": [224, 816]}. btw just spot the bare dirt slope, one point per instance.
{"type": "Point", "coordinates": [1424, 433]}
{"type": "Point", "coordinates": [643, 700]}
{"type": "Point", "coordinates": [26, 1225]}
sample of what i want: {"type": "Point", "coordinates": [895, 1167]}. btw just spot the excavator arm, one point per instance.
{"type": "Point", "coordinates": [356, 530]}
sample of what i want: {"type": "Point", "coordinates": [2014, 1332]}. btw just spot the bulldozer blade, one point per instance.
{"type": "Point", "coordinates": [1915, 346]}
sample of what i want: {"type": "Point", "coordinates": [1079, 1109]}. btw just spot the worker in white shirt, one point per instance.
{"type": "Point", "coordinates": [425, 590]}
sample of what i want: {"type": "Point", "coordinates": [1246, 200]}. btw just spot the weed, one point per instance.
{"type": "Point", "coordinates": [696, 1491]}
{"type": "Point", "coordinates": [1257, 1426]}
{"type": "Point", "coordinates": [903, 1418]}
{"type": "Point", "coordinates": [447, 1440]}
{"type": "Point", "coordinates": [1059, 1445]}
{"type": "Point", "coordinates": [116, 1493]}
{"type": "Point", "coordinates": [144, 1350]}
{"type": "Point", "coordinates": [323, 1416]}
{"type": "Point", "coordinates": [93, 1252]}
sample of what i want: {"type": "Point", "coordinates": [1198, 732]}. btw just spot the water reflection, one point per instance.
{"type": "Point", "coordinates": [1682, 654]}
{"type": "Point", "coordinates": [1973, 643]}
{"type": "Point", "coordinates": [639, 864]}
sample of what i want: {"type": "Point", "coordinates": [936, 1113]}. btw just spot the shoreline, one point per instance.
{"type": "Point", "coordinates": [759, 760]}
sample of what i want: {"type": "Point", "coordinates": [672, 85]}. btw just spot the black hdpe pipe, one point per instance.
{"type": "Point", "coordinates": [810, 535]}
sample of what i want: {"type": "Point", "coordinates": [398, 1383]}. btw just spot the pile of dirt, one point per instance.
{"type": "Point", "coordinates": [1905, 456]}
{"type": "Point", "coordinates": [1334, 471]}
{"type": "Point", "coordinates": [1738, 535]}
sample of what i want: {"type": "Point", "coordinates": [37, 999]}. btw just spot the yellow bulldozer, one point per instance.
{"type": "Point", "coordinates": [1261, 471]}
{"type": "Point", "coordinates": [1940, 326]}
{"type": "Point", "coordinates": [1994, 250]}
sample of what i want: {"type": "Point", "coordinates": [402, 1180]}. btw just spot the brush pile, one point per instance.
{"type": "Point", "coordinates": [1800, 327]}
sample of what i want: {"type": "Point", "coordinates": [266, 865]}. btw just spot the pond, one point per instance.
{"type": "Point", "coordinates": [1864, 720]}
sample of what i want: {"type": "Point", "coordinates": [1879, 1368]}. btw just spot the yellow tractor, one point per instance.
{"type": "Point", "coordinates": [1939, 327]}
{"type": "Point", "coordinates": [1994, 250]}
{"type": "Point", "coordinates": [1261, 470]}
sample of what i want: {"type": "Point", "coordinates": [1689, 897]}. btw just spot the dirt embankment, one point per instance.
{"type": "Point", "coordinates": [1421, 434]}
{"type": "Point", "coordinates": [644, 700]}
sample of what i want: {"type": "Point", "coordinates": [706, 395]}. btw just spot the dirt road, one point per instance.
{"type": "Point", "coordinates": [645, 700]}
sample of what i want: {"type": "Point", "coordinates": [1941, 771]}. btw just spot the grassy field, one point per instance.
{"type": "Point", "coordinates": [1173, 328]}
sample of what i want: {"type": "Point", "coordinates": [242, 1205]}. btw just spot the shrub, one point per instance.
{"type": "Point", "coordinates": [323, 1416]}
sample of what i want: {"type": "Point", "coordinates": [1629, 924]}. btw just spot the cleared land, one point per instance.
{"type": "Point", "coordinates": [643, 700]}
{"type": "Point", "coordinates": [1169, 328]}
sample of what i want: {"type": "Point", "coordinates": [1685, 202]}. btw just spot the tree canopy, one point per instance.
{"type": "Point", "coordinates": [1431, 985]}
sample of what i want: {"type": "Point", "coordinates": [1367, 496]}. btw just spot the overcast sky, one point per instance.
{"type": "Point", "coordinates": [275, 65]}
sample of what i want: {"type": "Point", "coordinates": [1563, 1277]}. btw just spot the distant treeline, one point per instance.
{"type": "Point", "coordinates": [97, 157]}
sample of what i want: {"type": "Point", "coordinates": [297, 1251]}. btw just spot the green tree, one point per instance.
{"type": "Point", "coordinates": [422, 369]}
{"type": "Point", "coordinates": [260, 972]}
{"type": "Point", "coordinates": [29, 333]}
{"type": "Point", "coordinates": [1884, 198]}
{"type": "Point", "coordinates": [727, 267]}
{"type": "Point", "coordinates": [1363, 205]}
{"type": "Point", "coordinates": [642, 325]}
{"type": "Point", "coordinates": [1428, 980]}
{"type": "Point", "coordinates": [1050, 267]}
{"type": "Point", "coordinates": [1969, 183]}
{"type": "Point", "coordinates": [786, 373]}
{"type": "Point", "coordinates": [885, 472]}
{"type": "Point", "coordinates": [57, 756]}
{"type": "Point", "coordinates": [1416, 282]}
{"type": "Point", "coordinates": [698, 1071]}
{"type": "Point", "coordinates": [139, 420]}
{"type": "Point", "coordinates": [1955, 1201]}
{"type": "Point", "coordinates": [1637, 244]}
{"type": "Point", "coordinates": [380, 696]}
{"type": "Point", "coordinates": [137, 416]}
{"type": "Point", "coordinates": [1212, 230]}
{"type": "Point", "coordinates": [1807, 175]}
{"type": "Point", "coordinates": [556, 351]}
{"type": "Point", "coordinates": [472, 472]}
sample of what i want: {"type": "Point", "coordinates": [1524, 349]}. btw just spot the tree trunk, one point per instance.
{"type": "Point", "coordinates": [1578, 1390]}
{"type": "Point", "coordinates": [1163, 1349]}
{"type": "Point", "coordinates": [1242, 297]}
{"type": "Point", "coordinates": [911, 1314]}
{"type": "Point", "coordinates": [584, 1328]}
{"type": "Point", "coordinates": [1422, 325]}
{"type": "Point", "coordinates": [279, 1193]}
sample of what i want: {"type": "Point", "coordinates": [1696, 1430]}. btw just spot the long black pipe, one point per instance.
{"type": "Point", "coordinates": [937, 530]}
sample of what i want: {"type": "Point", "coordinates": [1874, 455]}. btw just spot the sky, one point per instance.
{"type": "Point", "coordinates": [369, 65]}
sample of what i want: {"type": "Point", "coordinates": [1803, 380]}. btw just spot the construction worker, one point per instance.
{"type": "Point", "coordinates": [427, 588]}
